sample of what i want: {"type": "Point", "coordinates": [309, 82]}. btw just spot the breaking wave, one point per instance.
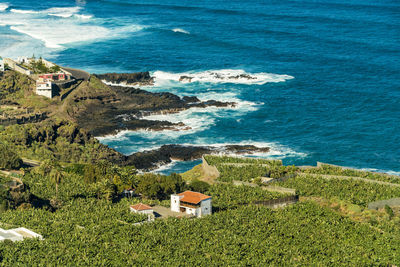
{"type": "Point", "coordinates": [277, 151]}
{"type": "Point", "coordinates": [20, 11]}
{"type": "Point", "coordinates": [63, 12]}
{"type": "Point", "coordinates": [83, 16]}
{"type": "Point", "coordinates": [41, 25]}
{"type": "Point", "coordinates": [3, 6]}
{"type": "Point", "coordinates": [221, 76]}
{"type": "Point", "coordinates": [180, 30]}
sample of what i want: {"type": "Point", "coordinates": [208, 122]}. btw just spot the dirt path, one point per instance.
{"type": "Point", "coordinates": [78, 74]}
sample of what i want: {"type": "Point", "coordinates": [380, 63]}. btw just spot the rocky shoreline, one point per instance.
{"type": "Point", "coordinates": [133, 79]}
{"type": "Point", "coordinates": [104, 110]}
{"type": "Point", "coordinates": [151, 159]}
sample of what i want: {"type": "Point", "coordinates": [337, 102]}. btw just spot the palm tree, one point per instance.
{"type": "Point", "coordinates": [56, 177]}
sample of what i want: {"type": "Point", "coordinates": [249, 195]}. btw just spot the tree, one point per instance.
{"type": "Point", "coordinates": [56, 177]}
{"type": "Point", "coordinates": [89, 173]}
{"type": "Point", "coordinates": [199, 186]}
{"type": "Point", "coordinates": [55, 69]}
{"type": "Point", "coordinates": [46, 166]}
{"type": "Point", "coordinates": [389, 211]}
{"type": "Point", "coordinates": [108, 190]}
{"type": "Point", "coordinates": [149, 186]}
{"type": "Point", "coordinates": [159, 186]}
{"type": "Point", "coordinates": [8, 158]}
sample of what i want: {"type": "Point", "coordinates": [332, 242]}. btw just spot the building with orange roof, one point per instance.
{"type": "Point", "coordinates": [144, 209]}
{"type": "Point", "coordinates": [193, 203]}
{"type": "Point", "coordinates": [141, 208]}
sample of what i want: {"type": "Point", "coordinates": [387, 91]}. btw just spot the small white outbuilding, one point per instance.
{"type": "Point", "coordinates": [141, 208]}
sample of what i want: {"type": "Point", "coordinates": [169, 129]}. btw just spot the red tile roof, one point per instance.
{"type": "Point", "coordinates": [193, 197]}
{"type": "Point", "coordinates": [141, 206]}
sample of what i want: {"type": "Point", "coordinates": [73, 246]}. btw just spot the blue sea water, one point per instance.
{"type": "Point", "coordinates": [328, 86]}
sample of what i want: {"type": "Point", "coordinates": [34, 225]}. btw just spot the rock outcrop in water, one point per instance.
{"type": "Point", "coordinates": [106, 110]}
{"type": "Point", "coordinates": [137, 79]}
{"type": "Point", "coordinates": [148, 160]}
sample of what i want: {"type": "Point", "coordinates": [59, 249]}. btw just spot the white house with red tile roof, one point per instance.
{"type": "Point", "coordinates": [193, 203]}
{"type": "Point", "coordinates": [141, 208]}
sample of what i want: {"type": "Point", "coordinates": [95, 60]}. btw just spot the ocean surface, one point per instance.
{"type": "Point", "coordinates": [327, 84]}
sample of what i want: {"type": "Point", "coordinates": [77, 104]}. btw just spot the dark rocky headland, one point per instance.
{"type": "Point", "coordinates": [92, 108]}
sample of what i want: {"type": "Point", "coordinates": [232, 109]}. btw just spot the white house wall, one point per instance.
{"type": "Point", "coordinates": [206, 208]}
{"type": "Point", "coordinates": [193, 211]}
{"type": "Point", "coordinates": [175, 203]}
{"type": "Point", "coordinates": [46, 93]}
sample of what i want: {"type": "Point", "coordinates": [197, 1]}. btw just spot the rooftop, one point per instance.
{"type": "Point", "coordinates": [141, 206]}
{"type": "Point", "coordinates": [18, 234]}
{"type": "Point", "coordinates": [193, 197]}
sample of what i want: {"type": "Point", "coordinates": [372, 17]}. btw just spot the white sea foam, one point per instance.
{"type": "Point", "coordinates": [67, 15]}
{"type": "Point", "coordinates": [123, 84]}
{"type": "Point", "coordinates": [55, 39]}
{"type": "Point", "coordinates": [63, 12]}
{"type": "Point", "coordinates": [390, 172]}
{"type": "Point", "coordinates": [180, 30]}
{"type": "Point", "coordinates": [162, 167]}
{"type": "Point", "coordinates": [198, 119]}
{"type": "Point", "coordinates": [38, 25]}
{"type": "Point", "coordinates": [120, 136]}
{"type": "Point", "coordinates": [3, 6]}
{"type": "Point", "coordinates": [83, 17]}
{"type": "Point", "coordinates": [220, 76]}
{"type": "Point", "coordinates": [20, 11]}
{"type": "Point", "coordinates": [277, 151]}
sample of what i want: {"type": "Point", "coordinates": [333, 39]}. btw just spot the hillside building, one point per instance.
{"type": "Point", "coordinates": [141, 208]}
{"type": "Point", "coordinates": [44, 87]}
{"type": "Point", "coordinates": [193, 203]}
{"type": "Point", "coordinates": [60, 76]}
{"type": "Point", "coordinates": [16, 66]}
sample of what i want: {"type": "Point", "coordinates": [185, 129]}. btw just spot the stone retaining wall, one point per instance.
{"type": "Point", "coordinates": [393, 202]}
{"type": "Point", "coordinates": [210, 171]}
{"type": "Point", "coordinates": [23, 120]}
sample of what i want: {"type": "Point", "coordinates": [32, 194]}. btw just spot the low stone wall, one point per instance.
{"type": "Point", "coordinates": [15, 66]}
{"type": "Point", "coordinates": [23, 120]}
{"type": "Point", "coordinates": [236, 182]}
{"type": "Point", "coordinates": [209, 170]}
{"type": "Point", "coordinates": [280, 202]}
{"type": "Point", "coordinates": [280, 189]}
{"type": "Point", "coordinates": [77, 83]}
{"type": "Point", "coordinates": [393, 202]}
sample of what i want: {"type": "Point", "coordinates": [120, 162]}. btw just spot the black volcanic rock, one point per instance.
{"type": "Point", "coordinates": [138, 78]}
{"type": "Point", "coordinates": [104, 110]}
{"type": "Point", "coordinates": [185, 79]}
{"type": "Point", "coordinates": [190, 99]}
{"type": "Point", "coordinates": [150, 159]}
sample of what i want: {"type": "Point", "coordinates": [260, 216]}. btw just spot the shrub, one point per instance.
{"type": "Point", "coordinates": [8, 158]}
{"type": "Point", "coordinates": [199, 186]}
